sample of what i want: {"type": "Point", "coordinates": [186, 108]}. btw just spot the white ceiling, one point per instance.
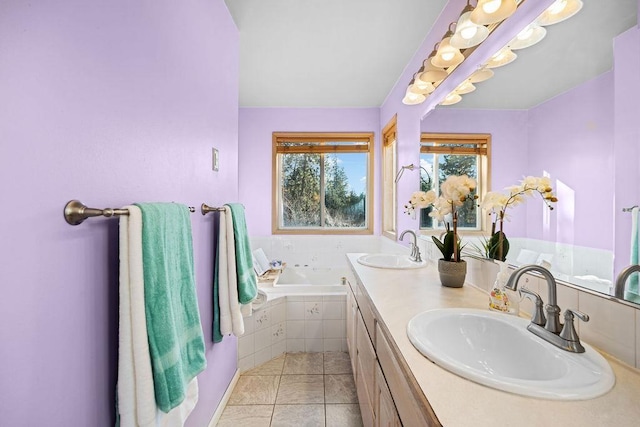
{"type": "Point", "coordinates": [350, 53]}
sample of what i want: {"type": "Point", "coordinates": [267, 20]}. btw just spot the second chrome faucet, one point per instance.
{"type": "Point", "coordinates": [415, 251]}
{"type": "Point", "coordinates": [549, 327]}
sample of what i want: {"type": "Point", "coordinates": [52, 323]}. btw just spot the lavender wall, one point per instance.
{"type": "Point", "coordinates": [508, 129]}
{"type": "Point", "coordinates": [627, 139]}
{"type": "Point", "coordinates": [571, 138]}
{"type": "Point", "coordinates": [255, 147]}
{"type": "Point", "coordinates": [110, 103]}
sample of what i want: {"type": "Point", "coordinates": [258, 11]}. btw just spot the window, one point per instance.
{"type": "Point", "coordinates": [322, 183]}
{"type": "Point", "coordinates": [442, 155]}
{"type": "Point", "coordinates": [389, 168]}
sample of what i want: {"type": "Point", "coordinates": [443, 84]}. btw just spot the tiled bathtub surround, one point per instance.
{"type": "Point", "coordinates": [312, 323]}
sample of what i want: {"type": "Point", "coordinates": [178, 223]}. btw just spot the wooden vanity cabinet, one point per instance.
{"type": "Point", "coordinates": [384, 394]}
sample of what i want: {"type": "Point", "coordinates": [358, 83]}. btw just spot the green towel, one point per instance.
{"type": "Point", "coordinates": [247, 285]}
{"type": "Point", "coordinates": [217, 336]}
{"type": "Point", "coordinates": [632, 292]}
{"type": "Point", "coordinates": [176, 343]}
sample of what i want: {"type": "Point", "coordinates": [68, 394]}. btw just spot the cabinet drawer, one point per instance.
{"type": "Point", "coordinates": [367, 313]}
{"type": "Point", "coordinates": [366, 358]}
{"type": "Point", "coordinates": [410, 411]}
{"type": "Point", "coordinates": [352, 315]}
{"type": "Point", "coordinates": [387, 414]}
{"type": "Point", "coordinates": [364, 399]}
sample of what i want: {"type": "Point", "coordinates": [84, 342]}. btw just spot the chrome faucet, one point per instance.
{"type": "Point", "coordinates": [549, 327]}
{"type": "Point", "coordinates": [622, 279]}
{"type": "Point", "coordinates": [415, 251]}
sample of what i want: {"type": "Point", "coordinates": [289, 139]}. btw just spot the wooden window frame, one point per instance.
{"type": "Point", "coordinates": [390, 142]}
{"type": "Point", "coordinates": [483, 149]}
{"type": "Point", "coordinates": [316, 139]}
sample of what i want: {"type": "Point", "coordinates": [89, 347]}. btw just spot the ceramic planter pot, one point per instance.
{"type": "Point", "coordinates": [452, 274]}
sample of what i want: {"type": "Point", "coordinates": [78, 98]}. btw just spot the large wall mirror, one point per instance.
{"type": "Point", "coordinates": [566, 108]}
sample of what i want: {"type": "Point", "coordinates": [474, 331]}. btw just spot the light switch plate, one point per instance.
{"type": "Point", "coordinates": [215, 160]}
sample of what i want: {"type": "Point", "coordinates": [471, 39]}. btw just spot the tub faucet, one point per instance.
{"type": "Point", "coordinates": [415, 251]}
{"type": "Point", "coordinates": [563, 336]}
{"type": "Point", "coordinates": [622, 279]}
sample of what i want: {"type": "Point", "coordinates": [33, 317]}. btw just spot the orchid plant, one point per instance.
{"type": "Point", "coordinates": [455, 191]}
{"type": "Point", "coordinates": [497, 246]}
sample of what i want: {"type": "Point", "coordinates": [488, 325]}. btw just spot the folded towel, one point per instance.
{"type": "Point", "coordinates": [174, 331]}
{"type": "Point", "coordinates": [136, 395]}
{"type": "Point", "coordinates": [247, 283]}
{"type": "Point", "coordinates": [136, 398]}
{"type": "Point", "coordinates": [632, 292]}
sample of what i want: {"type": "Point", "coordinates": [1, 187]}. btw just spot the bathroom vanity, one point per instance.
{"type": "Point", "coordinates": [397, 385]}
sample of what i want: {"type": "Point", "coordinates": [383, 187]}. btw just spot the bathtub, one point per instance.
{"type": "Point", "coordinates": [306, 280]}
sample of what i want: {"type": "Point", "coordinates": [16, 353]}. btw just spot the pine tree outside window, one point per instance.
{"type": "Point", "coordinates": [442, 155]}
{"type": "Point", "coordinates": [322, 183]}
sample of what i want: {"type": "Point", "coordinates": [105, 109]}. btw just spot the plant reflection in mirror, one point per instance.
{"type": "Point", "coordinates": [497, 246]}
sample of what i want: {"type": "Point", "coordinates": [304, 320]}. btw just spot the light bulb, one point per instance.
{"type": "Point", "coordinates": [451, 99]}
{"type": "Point", "coordinates": [491, 11]}
{"type": "Point", "coordinates": [526, 33]}
{"type": "Point", "coordinates": [481, 75]}
{"type": "Point", "coordinates": [500, 58]}
{"type": "Point", "coordinates": [491, 6]}
{"type": "Point", "coordinates": [469, 32]}
{"type": "Point", "coordinates": [448, 56]}
{"type": "Point", "coordinates": [557, 7]}
{"type": "Point", "coordinates": [559, 11]}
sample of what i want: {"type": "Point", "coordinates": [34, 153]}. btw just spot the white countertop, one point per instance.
{"type": "Point", "coordinates": [398, 295]}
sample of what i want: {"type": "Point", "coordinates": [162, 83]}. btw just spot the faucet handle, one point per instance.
{"type": "Point", "coordinates": [568, 330]}
{"type": "Point", "coordinates": [538, 315]}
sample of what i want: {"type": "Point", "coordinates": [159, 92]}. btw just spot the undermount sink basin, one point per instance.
{"type": "Point", "coordinates": [393, 261]}
{"type": "Point", "coordinates": [498, 351]}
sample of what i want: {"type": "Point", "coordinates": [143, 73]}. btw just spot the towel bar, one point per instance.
{"type": "Point", "coordinates": [629, 209]}
{"type": "Point", "coordinates": [75, 212]}
{"type": "Point", "coordinates": [205, 209]}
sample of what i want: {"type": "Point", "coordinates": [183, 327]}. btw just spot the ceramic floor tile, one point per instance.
{"type": "Point", "coordinates": [272, 367]}
{"type": "Point", "coordinates": [337, 362]}
{"type": "Point", "coordinates": [255, 390]}
{"type": "Point", "coordinates": [343, 415]}
{"type": "Point", "coordinates": [298, 416]}
{"type": "Point", "coordinates": [296, 389]}
{"type": "Point", "coordinates": [246, 416]}
{"type": "Point", "coordinates": [303, 364]}
{"type": "Point", "coordinates": [340, 389]}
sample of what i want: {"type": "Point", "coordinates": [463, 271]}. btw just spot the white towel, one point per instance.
{"type": "Point", "coordinates": [136, 395]}
{"type": "Point", "coordinates": [230, 315]}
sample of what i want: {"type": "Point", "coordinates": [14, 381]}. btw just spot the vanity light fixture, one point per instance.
{"type": "Point", "coordinates": [421, 86]}
{"type": "Point", "coordinates": [411, 97]}
{"type": "Point", "coordinates": [472, 28]}
{"type": "Point", "coordinates": [503, 57]}
{"type": "Point", "coordinates": [465, 87]}
{"type": "Point", "coordinates": [531, 35]}
{"type": "Point", "coordinates": [481, 75]}
{"type": "Point", "coordinates": [559, 11]}
{"type": "Point", "coordinates": [491, 11]}
{"type": "Point", "coordinates": [452, 98]}
{"type": "Point", "coordinates": [468, 33]}
{"type": "Point", "coordinates": [430, 73]}
{"type": "Point", "coordinates": [447, 55]}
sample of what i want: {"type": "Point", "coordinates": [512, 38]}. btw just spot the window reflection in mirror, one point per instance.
{"type": "Point", "coordinates": [442, 155]}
